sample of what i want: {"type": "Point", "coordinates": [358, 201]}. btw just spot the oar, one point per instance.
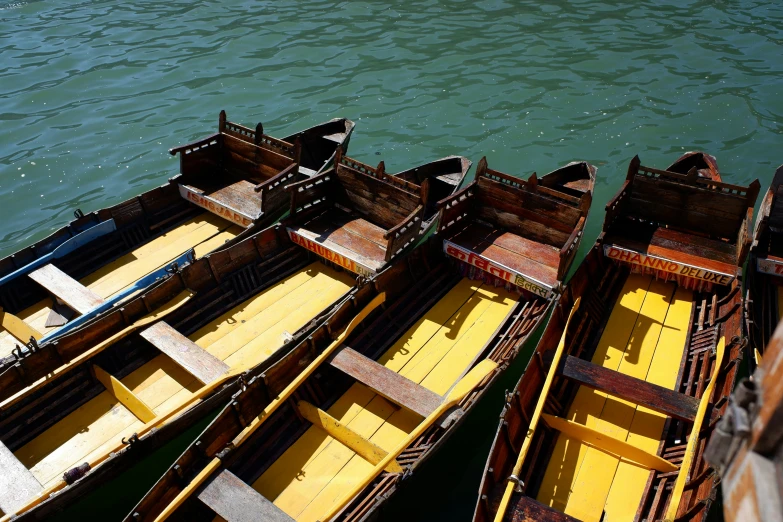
{"type": "Point", "coordinates": [693, 439]}
{"type": "Point", "coordinates": [77, 241]}
{"type": "Point", "coordinates": [457, 393]}
{"type": "Point", "coordinates": [271, 407]}
{"type": "Point", "coordinates": [512, 480]}
{"type": "Point", "coordinates": [140, 285]}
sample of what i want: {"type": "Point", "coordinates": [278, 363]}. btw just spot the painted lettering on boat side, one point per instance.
{"type": "Point", "coordinates": [214, 207]}
{"type": "Point", "coordinates": [496, 270]}
{"type": "Point", "coordinates": [665, 265]}
{"type": "Point", "coordinates": [768, 266]}
{"type": "Point", "coordinates": [344, 261]}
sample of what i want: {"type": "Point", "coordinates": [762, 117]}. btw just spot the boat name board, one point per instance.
{"type": "Point", "coordinates": [769, 266]}
{"type": "Point", "coordinates": [330, 255]}
{"type": "Point", "coordinates": [213, 206]}
{"type": "Point", "coordinates": [666, 265]}
{"type": "Point", "coordinates": [507, 274]}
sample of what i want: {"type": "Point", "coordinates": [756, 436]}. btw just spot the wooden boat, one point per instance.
{"type": "Point", "coordinates": [765, 271]}
{"type": "Point", "coordinates": [745, 450]}
{"type": "Point", "coordinates": [101, 258]}
{"type": "Point", "coordinates": [371, 406]}
{"type": "Point", "coordinates": [640, 352]}
{"type": "Point", "coordinates": [81, 408]}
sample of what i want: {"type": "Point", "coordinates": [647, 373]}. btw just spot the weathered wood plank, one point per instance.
{"type": "Point", "coordinates": [363, 447]}
{"type": "Point", "coordinates": [652, 396]}
{"type": "Point", "coordinates": [66, 288]}
{"type": "Point", "coordinates": [17, 483]}
{"type": "Point", "coordinates": [201, 364]}
{"type": "Point", "coordinates": [235, 501]}
{"type": "Point", "coordinates": [392, 385]}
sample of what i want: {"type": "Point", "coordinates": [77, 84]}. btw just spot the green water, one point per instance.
{"type": "Point", "coordinates": [92, 94]}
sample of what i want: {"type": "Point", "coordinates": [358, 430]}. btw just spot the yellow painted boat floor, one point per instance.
{"type": "Point", "coordinates": [204, 233]}
{"type": "Point", "coordinates": [316, 471]}
{"type": "Point", "coordinates": [644, 338]}
{"type": "Point", "coordinates": [243, 337]}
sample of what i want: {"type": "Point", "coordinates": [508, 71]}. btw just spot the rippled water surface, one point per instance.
{"type": "Point", "coordinates": [92, 94]}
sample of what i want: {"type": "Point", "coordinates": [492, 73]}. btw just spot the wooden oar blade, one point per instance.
{"type": "Point", "coordinates": [608, 443]}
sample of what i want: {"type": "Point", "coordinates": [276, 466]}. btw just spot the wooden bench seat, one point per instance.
{"type": "Point", "coordinates": [536, 260]}
{"type": "Point", "coordinates": [235, 501]}
{"type": "Point", "coordinates": [67, 289]}
{"type": "Point", "coordinates": [643, 393]}
{"type": "Point", "coordinates": [17, 483]}
{"type": "Point", "coordinates": [347, 234]}
{"type": "Point", "coordinates": [681, 247]}
{"type": "Point", "coordinates": [198, 362]}
{"type": "Point", "coordinates": [239, 196]}
{"type": "Point", "coordinates": [388, 383]}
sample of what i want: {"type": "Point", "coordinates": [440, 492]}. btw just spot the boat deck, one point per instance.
{"type": "Point", "coordinates": [239, 196]}
{"type": "Point", "coordinates": [317, 470]}
{"type": "Point", "coordinates": [242, 338]}
{"type": "Point", "coordinates": [644, 338]}
{"type": "Point", "coordinates": [347, 233]}
{"type": "Point", "coordinates": [680, 247]}
{"type": "Point", "coordinates": [204, 233]}
{"type": "Point", "coordinates": [522, 255]}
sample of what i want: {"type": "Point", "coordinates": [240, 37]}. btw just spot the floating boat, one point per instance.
{"type": "Point", "coordinates": [765, 271]}
{"type": "Point", "coordinates": [85, 406]}
{"type": "Point", "coordinates": [333, 440]}
{"type": "Point", "coordinates": [640, 352]}
{"type": "Point", "coordinates": [101, 258]}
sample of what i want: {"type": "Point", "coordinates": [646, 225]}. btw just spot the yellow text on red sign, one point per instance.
{"type": "Point", "coordinates": [214, 207]}
{"type": "Point", "coordinates": [520, 280]}
{"type": "Point", "coordinates": [339, 259]}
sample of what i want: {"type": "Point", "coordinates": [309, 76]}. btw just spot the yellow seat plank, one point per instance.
{"type": "Point", "coordinates": [388, 436]}
{"type": "Point", "coordinates": [126, 397]}
{"type": "Point", "coordinates": [595, 475]}
{"type": "Point", "coordinates": [567, 457]}
{"type": "Point", "coordinates": [345, 435]}
{"type": "Point", "coordinates": [647, 426]}
{"type": "Point", "coordinates": [17, 328]}
{"type": "Point", "coordinates": [305, 482]}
